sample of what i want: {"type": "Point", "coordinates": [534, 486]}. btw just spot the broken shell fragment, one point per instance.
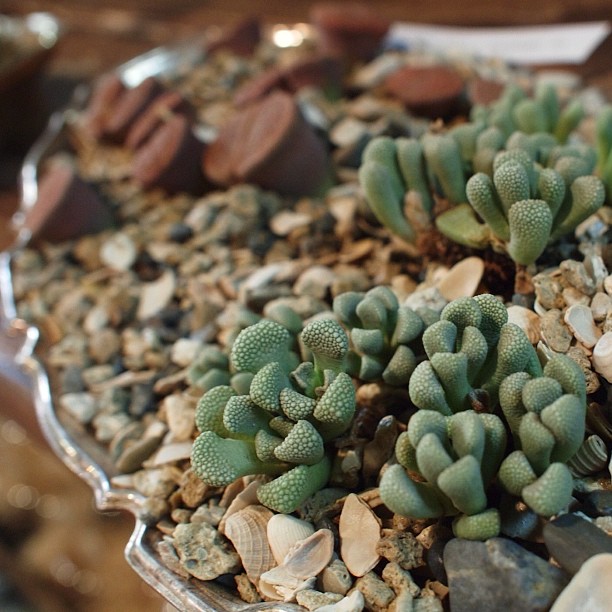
{"type": "Point", "coordinates": [284, 532]}
{"type": "Point", "coordinates": [527, 320]}
{"type": "Point", "coordinates": [462, 279]}
{"type": "Point", "coordinates": [359, 534]}
{"type": "Point", "coordinates": [246, 530]}
{"type": "Point", "coordinates": [302, 564]}
{"type": "Point", "coordinates": [602, 356]}
{"type": "Point", "coordinates": [310, 556]}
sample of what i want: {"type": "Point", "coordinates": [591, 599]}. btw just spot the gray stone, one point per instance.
{"type": "Point", "coordinates": [598, 503]}
{"type": "Point", "coordinates": [499, 575]}
{"type": "Point", "coordinates": [571, 540]}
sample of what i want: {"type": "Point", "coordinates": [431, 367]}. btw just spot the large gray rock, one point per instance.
{"type": "Point", "coordinates": [499, 575]}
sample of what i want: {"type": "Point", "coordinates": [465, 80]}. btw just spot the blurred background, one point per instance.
{"type": "Point", "coordinates": [57, 552]}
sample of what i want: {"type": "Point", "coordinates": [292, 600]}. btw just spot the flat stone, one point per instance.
{"type": "Point", "coordinates": [571, 540]}
{"type": "Point", "coordinates": [499, 575]}
{"type": "Point", "coordinates": [590, 588]}
{"type": "Point", "coordinates": [598, 503]}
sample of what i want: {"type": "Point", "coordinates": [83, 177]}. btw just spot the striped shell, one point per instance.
{"type": "Point", "coordinates": [590, 458]}
{"type": "Point", "coordinates": [284, 532]}
{"type": "Point", "coordinates": [247, 531]}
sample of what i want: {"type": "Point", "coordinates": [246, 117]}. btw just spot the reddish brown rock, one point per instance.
{"type": "Point", "coordinates": [322, 71]}
{"type": "Point", "coordinates": [242, 38]}
{"type": "Point", "coordinates": [105, 92]}
{"type": "Point", "coordinates": [269, 144]}
{"type": "Point", "coordinates": [259, 86]}
{"type": "Point", "coordinates": [351, 30]}
{"type": "Point", "coordinates": [484, 91]}
{"type": "Point", "coordinates": [170, 159]}
{"type": "Point", "coordinates": [130, 104]}
{"type": "Point", "coordinates": [163, 108]}
{"type": "Point", "coordinates": [428, 91]}
{"type": "Point", "coordinates": [66, 206]}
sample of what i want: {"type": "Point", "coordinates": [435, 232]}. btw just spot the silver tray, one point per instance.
{"type": "Point", "coordinates": [22, 372]}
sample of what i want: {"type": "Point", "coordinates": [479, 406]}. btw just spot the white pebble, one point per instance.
{"type": "Point", "coordinates": [118, 252]}
{"type": "Point", "coordinates": [590, 588]}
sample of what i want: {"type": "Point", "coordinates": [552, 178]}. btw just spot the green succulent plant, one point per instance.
{"type": "Point", "coordinates": [281, 425]}
{"type": "Point", "coordinates": [455, 458]}
{"type": "Point", "coordinates": [381, 333]}
{"type": "Point", "coordinates": [603, 137]}
{"type": "Point", "coordinates": [546, 416]}
{"type": "Point", "coordinates": [470, 351]}
{"type": "Point", "coordinates": [525, 206]}
{"type": "Point", "coordinates": [541, 113]}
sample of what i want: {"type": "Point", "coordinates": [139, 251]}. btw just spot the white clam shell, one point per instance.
{"type": "Point", "coordinates": [300, 567]}
{"type": "Point", "coordinates": [310, 556]}
{"type": "Point", "coordinates": [284, 532]}
{"type": "Point", "coordinates": [247, 531]}
{"type": "Point", "coordinates": [602, 356]}
{"type": "Point", "coordinates": [359, 531]}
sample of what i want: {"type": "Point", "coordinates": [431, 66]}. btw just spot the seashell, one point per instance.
{"type": "Point", "coordinates": [169, 453]}
{"type": "Point", "coordinates": [310, 556]}
{"type": "Point", "coordinates": [156, 295]}
{"type": "Point", "coordinates": [579, 319]}
{"type": "Point", "coordinates": [359, 530]}
{"type": "Point", "coordinates": [236, 496]}
{"type": "Point", "coordinates": [284, 532]}
{"type": "Point", "coordinates": [247, 531]}
{"type": "Point", "coordinates": [602, 356]}
{"type": "Point", "coordinates": [527, 320]}
{"type": "Point", "coordinates": [590, 458]}
{"type": "Point", "coordinates": [462, 279]}
{"type": "Point", "coordinates": [279, 585]}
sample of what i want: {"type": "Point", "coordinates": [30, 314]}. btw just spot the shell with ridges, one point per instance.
{"type": "Point", "coordinates": [590, 458]}
{"type": "Point", "coordinates": [247, 531]}
{"type": "Point", "coordinates": [359, 534]}
{"type": "Point", "coordinates": [284, 532]}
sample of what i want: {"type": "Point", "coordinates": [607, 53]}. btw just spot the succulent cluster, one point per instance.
{"type": "Point", "coordinates": [382, 335]}
{"type": "Point", "coordinates": [470, 351]}
{"type": "Point", "coordinates": [274, 405]}
{"type": "Point", "coordinates": [526, 204]}
{"type": "Point", "coordinates": [477, 360]}
{"type": "Point", "coordinates": [455, 458]}
{"type": "Point", "coordinates": [509, 176]}
{"type": "Point", "coordinates": [546, 416]}
{"type": "Point", "coordinates": [543, 112]}
{"type": "Point", "coordinates": [280, 427]}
